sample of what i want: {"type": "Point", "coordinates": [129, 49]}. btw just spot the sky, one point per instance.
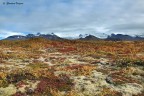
{"type": "Point", "coordinates": [69, 18]}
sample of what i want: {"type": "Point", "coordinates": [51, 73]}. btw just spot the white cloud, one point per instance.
{"type": "Point", "coordinates": [74, 16]}
{"type": "Point", "coordinates": [6, 33]}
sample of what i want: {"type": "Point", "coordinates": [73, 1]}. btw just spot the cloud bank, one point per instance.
{"type": "Point", "coordinates": [72, 17]}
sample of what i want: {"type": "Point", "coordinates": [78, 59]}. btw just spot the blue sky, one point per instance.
{"type": "Point", "coordinates": [69, 18]}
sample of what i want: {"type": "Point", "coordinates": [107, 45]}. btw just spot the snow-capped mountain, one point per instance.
{"type": "Point", "coordinates": [89, 37]}
{"type": "Point", "coordinates": [83, 36]}
{"type": "Point", "coordinates": [121, 37]}
{"type": "Point", "coordinates": [51, 36]}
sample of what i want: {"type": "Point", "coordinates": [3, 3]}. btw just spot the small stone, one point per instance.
{"type": "Point", "coordinates": [30, 91]}
{"type": "Point", "coordinates": [109, 80]}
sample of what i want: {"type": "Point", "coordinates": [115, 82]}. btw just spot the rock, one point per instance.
{"type": "Point", "coordinates": [30, 91]}
{"type": "Point", "coordinates": [109, 80]}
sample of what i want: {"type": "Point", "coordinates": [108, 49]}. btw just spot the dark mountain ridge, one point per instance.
{"type": "Point", "coordinates": [52, 36]}
{"type": "Point", "coordinates": [90, 37]}
{"type": "Point", "coordinates": [121, 37]}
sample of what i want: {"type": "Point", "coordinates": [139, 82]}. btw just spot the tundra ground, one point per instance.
{"type": "Point", "coordinates": [39, 67]}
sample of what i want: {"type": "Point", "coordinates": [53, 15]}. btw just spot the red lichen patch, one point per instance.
{"type": "Point", "coordinates": [62, 83]}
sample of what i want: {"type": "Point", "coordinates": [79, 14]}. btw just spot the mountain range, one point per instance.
{"type": "Point", "coordinates": [121, 37]}
{"type": "Point", "coordinates": [52, 36]}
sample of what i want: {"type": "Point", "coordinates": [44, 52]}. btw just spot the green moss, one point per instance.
{"type": "Point", "coordinates": [3, 83]}
{"type": "Point", "coordinates": [37, 65]}
{"type": "Point", "coordinates": [127, 62]}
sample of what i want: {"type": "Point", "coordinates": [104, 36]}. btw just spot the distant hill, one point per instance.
{"type": "Point", "coordinates": [121, 37]}
{"type": "Point", "coordinates": [89, 37]}
{"type": "Point", "coordinates": [51, 36]}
